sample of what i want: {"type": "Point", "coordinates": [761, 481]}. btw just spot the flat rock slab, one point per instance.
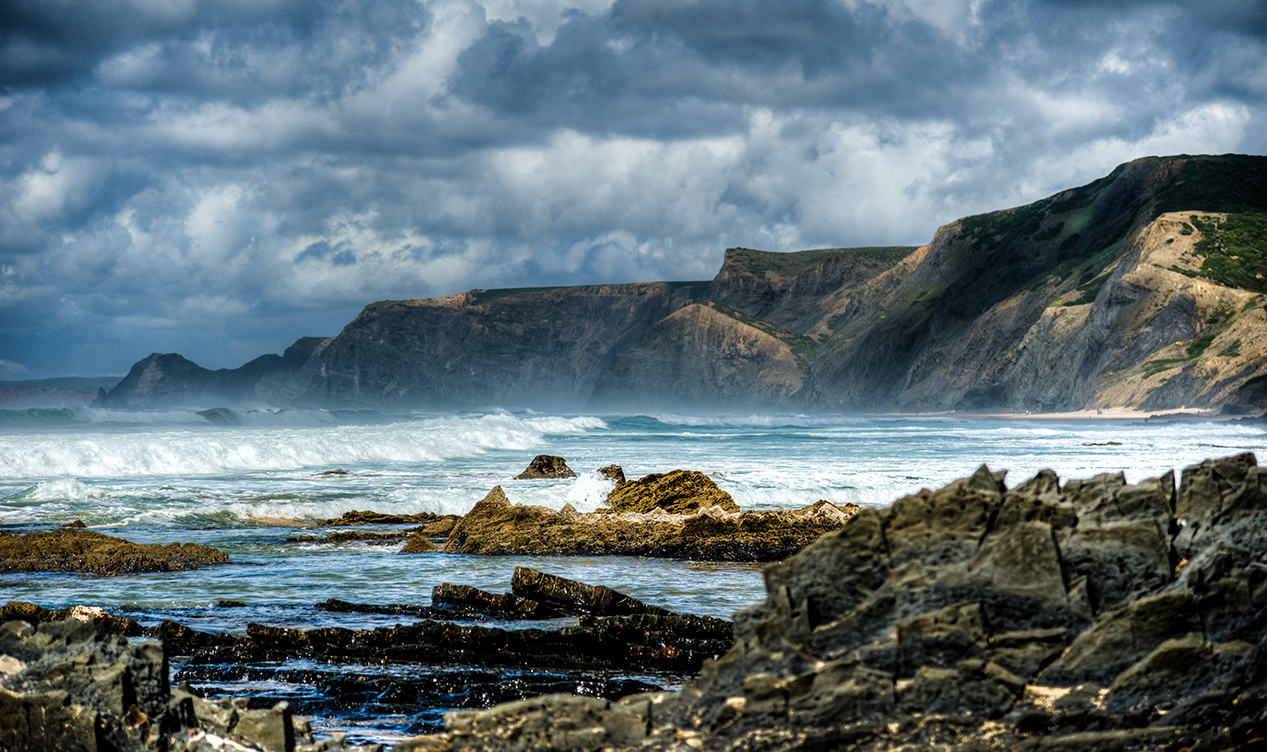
{"type": "Point", "coordinates": [367, 517]}
{"type": "Point", "coordinates": [73, 550]}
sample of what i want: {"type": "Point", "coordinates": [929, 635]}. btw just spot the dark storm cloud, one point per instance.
{"type": "Point", "coordinates": [219, 177]}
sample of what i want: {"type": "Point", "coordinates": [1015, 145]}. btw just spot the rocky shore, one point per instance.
{"type": "Point", "coordinates": [77, 550]}
{"type": "Point", "coordinates": [681, 514]}
{"type": "Point", "coordinates": [1088, 614]}
{"type": "Point", "coordinates": [70, 679]}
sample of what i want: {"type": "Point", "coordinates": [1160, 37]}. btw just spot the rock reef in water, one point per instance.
{"type": "Point", "coordinates": [496, 526]}
{"type": "Point", "coordinates": [676, 492]}
{"type": "Point", "coordinates": [545, 466]}
{"type": "Point", "coordinates": [77, 550]}
{"type": "Point", "coordinates": [71, 681]}
{"type": "Point", "coordinates": [1093, 614]}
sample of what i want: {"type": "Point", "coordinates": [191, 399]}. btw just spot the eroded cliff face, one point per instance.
{"type": "Point", "coordinates": [1100, 296]}
{"type": "Point", "coordinates": [798, 291]}
{"type": "Point", "coordinates": [541, 348]}
{"type": "Point", "coordinates": [707, 356]}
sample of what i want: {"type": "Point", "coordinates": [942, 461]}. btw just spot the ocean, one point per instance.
{"type": "Point", "coordinates": [243, 482]}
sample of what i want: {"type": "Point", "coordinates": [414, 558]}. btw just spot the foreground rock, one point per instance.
{"type": "Point", "coordinates": [546, 466]}
{"type": "Point", "coordinates": [1090, 615]}
{"type": "Point", "coordinates": [76, 550]}
{"type": "Point", "coordinates": [117, 697]}
{"type": "Point", "coordinates": [496, 526]}
{"type": "Point", "coordinates": [76, 685]}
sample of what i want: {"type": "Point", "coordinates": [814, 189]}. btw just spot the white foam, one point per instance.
{"type": "Point", "coordinates": [114, 452]}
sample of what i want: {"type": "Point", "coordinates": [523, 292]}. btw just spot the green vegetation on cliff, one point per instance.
{"type": "Point", "coordinates": [761, 263]}
{"type": "Point", "coordinates": [1234, 250]}
{"type": "Point", "coordinates": [803, 348]}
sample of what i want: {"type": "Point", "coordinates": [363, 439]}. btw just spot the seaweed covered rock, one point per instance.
{"type": "Point", "coordinates": [75, 550]}
{"type": "Point", "coordinates": [546, 466]}
{"type": "Point", "coordinates": [676, 492]}
{"type": "Point", "coordinates": [497, 526]}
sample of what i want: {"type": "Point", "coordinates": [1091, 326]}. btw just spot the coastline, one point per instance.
{"type": "Point", "coordinates": [1092, 414]}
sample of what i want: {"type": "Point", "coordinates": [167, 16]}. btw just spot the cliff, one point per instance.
{"type": "Point", "coordinates": [541, 348]}
{"type": "Point", "coordinates": [707, 356]}
{"type": "Point", "coordinates": [1141, 289]}
{"type": "Point", "coordinates": [1145, 289]}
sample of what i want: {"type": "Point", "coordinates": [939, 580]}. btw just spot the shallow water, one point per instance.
{"type": "Point", "coordinates": [160, 477]}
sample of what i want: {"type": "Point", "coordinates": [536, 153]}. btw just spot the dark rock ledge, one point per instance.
{"type": "Point", "coordinates": [459, 665]}
{"type": "Point", "coordinates": [78, 550]}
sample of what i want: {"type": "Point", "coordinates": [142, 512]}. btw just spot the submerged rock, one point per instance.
{"type": "Point", "coordinates": [546, 466]}
{"type": "Point", "coordinates": [496, 526]}
{"type": "Point", "coordinates": [78, 550]}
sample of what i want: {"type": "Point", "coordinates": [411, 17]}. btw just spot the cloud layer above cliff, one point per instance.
{"type": "Point", "coordinates": [219, 177]}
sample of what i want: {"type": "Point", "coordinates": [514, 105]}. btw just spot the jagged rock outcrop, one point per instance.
{"type": "Point", "coordinates": [676, 492]}
{"type": "Point", "coordinates": [77, 685]}
{"type": "Point", "coordinates": [76, 550]}
{"type": "Point", "coordinates": [495, 526]}
{"type": "Point", "coordinates": [1094, 614]}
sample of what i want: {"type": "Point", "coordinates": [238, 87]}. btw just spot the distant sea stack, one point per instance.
{"type": "Point", "coordinates": [1145, 289]}
{"type": "Point", "coordinates": [164, 380]}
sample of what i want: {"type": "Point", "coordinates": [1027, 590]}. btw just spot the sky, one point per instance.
{"type": "Point", "coordinates": [221, 177]}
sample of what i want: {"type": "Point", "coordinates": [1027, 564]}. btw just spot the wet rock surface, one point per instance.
{"type": "Point", "coordinates": [78, 550]}
{"type": "Point", "coordinates": [546, 466]}
{"type": "Point", "coordinates": [676, 492]}
{"type": "Point", "coordinates": [611, 646]}
{"type": "Point", "coordinates": [76, 684]}
{"type": "Point", "coordinates": [378, 518]}
{"type": "Point", "coordinates": [1090, 615]}
{"type": "Point", "coordinates": [496, 526]}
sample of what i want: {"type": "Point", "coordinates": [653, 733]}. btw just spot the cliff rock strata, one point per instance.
{"type": "Point", "coordinates": [519, 348]}
{"type": "Point", "coordinates": [1146, 289]}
